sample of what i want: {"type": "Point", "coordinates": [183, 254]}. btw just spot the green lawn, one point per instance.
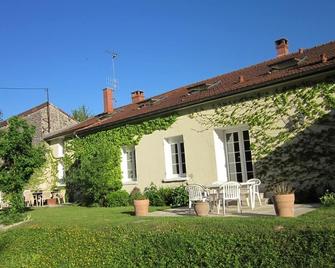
{"type": "Point", "coordinates": [112, 237]}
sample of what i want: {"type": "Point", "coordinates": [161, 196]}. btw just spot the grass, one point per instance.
{"type": "Point", "coordinates": [112, 237]}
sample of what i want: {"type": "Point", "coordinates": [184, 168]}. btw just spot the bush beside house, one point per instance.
{"type": "Point", "coordinates": [19, 158]}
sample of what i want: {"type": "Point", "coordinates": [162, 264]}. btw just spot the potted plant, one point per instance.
{"type": "Point", "coordinates": [283, 199]}
{"type": "Point", "coordinates": [52, 202]}
{"type": "Point", "coordinates": [201, 208]}
{"type": "Point", "coordinates": [141, 204]}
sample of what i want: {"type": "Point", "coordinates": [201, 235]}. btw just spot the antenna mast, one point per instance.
{"type": "Point", "coordinates": [112, 82]}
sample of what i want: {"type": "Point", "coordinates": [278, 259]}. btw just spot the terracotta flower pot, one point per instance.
{"type": "Point", "coordinates": [201, 208]}
{"type": "Point", "coordinates": [141, 207]}
{"type": "Point", "coordinates": [284, 205]}
{"type": "Point", "coordinates": [52, 202]}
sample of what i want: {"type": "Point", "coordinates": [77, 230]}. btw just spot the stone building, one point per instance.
{"type": "Point", "coordinates": [46, 118]}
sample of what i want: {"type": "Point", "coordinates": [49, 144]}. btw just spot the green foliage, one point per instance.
{"type": "Point", "coordinates": [179, 196]}
{"type": "Point", "coordinates": [93, 162]}
{"type": "Point", "coordinates": [48, 170]}
{"type": "Point", "coordinates": [328, 199]}
{"type": "Point", "coordinates": [81, 113]}
{"type": "Point", "coordinates": [136, 195]}
{"type": "Point", "coordinates": [175, 197]}
{"type": "Point", "coordinates": [19, 159]}
{"type": "Point", "coordinates": [117, 239]}
{"type": "Point", "coordinates": [282, 187]}
{"type": "Point", "coordinates": [286, 138]}
{"type": "Point", "coordinates": [154, 196]}
{"type": "Point", "coordinates": [7, 217]}
{"type": "Point", "coordinates": [16, 203]}
{"type": "Point", "coordinates": [118, 198]}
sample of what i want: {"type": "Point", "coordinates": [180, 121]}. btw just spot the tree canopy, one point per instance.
{"type": "Point", "coordinates": [81, 113]}
{"type": "Point", "coordinates": [18, 156]}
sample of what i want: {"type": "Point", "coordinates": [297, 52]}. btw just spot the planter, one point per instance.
{"type": "Point", "coordinates": [284, 205]}
{"type": "Point", "coordinates": [141, 207]}
{"type": "Point", "coordinates": [201, 208]}
{"type": "Point", "coordinates": [52, 202]}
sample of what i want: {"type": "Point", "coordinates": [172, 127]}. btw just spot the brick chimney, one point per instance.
{"type": "Point", "coordinates": [108, 100]}
{"type": "Point", "coordinates": [137, 96]}
{"type": "Point", "coordinates": [281, 47]}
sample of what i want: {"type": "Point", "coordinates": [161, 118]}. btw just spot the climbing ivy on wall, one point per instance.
{"type": "Point", "coordinates": [93, 162]}
{"type": "Point", "coordinates": [48, 170]}
{"type": "Point", "coordinates": [283, 125]}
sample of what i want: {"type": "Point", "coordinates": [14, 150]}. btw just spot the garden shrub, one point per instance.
{"type": "Point", "coordinates": [135, 194]}
{"type": "Point", "coordinates": [328, 199]}
{"type": "Point", "coordinates": [118, 198]}
{"type": "Point", "coordinates": [179, 196]}
{"type": "Point", "coordinates": [165, 196]}
{"type": "Point", "coordinates": [154, 195]}
{"type": "Point", "coordinates": [19, 158]}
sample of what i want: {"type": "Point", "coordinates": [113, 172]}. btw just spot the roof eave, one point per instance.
{"type": "Point", "coordinates": [247, 89]}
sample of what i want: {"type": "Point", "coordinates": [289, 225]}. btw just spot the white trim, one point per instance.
{"type": "Point", "coordinates": [176, 179]}
{"type": "Point", "coordinates": [124, 165]}
{"type": "Point", "coordinates": [220, 155]}
{"type": "Point", "coordinates": [239, 130]}
{"type": "Point", "coordinates": [129, 182]}
{"type": "Point", "coordinates": [169, 175]}
{"type": "Point", "coordinates": [60, 170]}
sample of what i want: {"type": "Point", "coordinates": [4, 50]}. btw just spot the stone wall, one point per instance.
{"type": "Point", "coordinates": [39, 118]}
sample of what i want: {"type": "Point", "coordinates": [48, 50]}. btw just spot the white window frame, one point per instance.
{"type": "Point", "coordinates": [169, 175]}
{"type": "Point", "coordinates": [124, 165]}
{"type": "Point", "coordinates": [239, 130]}
{"type": "Point", "coordinates": [60, 165]}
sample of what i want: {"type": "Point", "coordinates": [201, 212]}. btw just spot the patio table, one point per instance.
{"type": "Point", "coordinates": [249, 185]}
{"type": "Point", "coordinates": [37, 196]}
{"type": "Point", "coordinates": [251, 189]}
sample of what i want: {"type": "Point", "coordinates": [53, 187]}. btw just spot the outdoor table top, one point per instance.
{"type": "Point", "coordinates": [219, 184]}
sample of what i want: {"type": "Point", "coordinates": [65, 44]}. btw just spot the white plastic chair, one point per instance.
{"type": "Point", "coordinates": [196, 192]}
{"type": "Point", "coordinates": [230, 191]}
{"type": "Point", "coordinates": [61, 196]}
{"type": "Point", "coordinates": [28, 198]}
{"type": "Point", "coordinates": [45, 196]}
{"type": "Point", "coordinates": [256, 183]}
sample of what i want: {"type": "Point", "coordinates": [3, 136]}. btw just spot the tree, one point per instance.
{"type": "Point", "coordinates": [19, 158]}
{"type": "Point", "coordinates": [81, 113]}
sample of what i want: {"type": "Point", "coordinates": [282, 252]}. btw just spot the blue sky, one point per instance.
{"type": "Point", "coordinates": [161, 44]}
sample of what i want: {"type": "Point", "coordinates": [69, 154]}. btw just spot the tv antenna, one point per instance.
{"type": "Point", "coordinates": [112, 81]}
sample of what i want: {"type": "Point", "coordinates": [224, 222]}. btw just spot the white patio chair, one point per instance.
{"type": "Point", "coordinates": [28, 198]}
{"type": "Point", "coordinates": [230, 191]}
{"type": "Point", "coordinates": [256, 183]}
{"type": "Point", "coordinates": [45, 196]}
{"type": "Point", "coordinates": [61, 196]}
{"type": "Point", "coordinates": [196, 192]}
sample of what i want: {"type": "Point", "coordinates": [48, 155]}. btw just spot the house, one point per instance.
{"type": "Point", "coordinates": [273, 120]}
{"type": "Point", "coordinates": [46, 118]}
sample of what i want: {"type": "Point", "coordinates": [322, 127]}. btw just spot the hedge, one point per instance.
{"type": "Point", "coordinates": [202, 243]}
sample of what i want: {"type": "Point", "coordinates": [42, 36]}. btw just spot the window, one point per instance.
{"type": "Point", "coordinates": [175, 158]}
{"type": "Point", "coordinates": [129, 164]}
{"type": "Point", "coordinates": [239, 160]}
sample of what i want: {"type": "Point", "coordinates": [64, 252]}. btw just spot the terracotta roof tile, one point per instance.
{"type": "Point", "coordinates": [253, 76]}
